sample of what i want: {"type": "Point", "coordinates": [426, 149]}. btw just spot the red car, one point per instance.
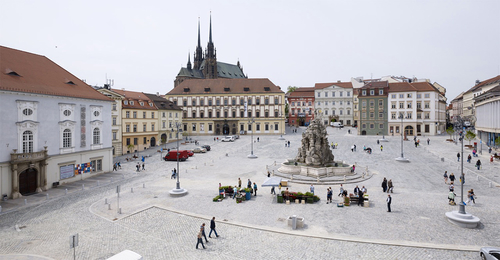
{"type": "Point", "coordinates": [172, 155]}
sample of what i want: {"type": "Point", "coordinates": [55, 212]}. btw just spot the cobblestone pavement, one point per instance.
{"type": "Point", "coordinates": [159, 226]}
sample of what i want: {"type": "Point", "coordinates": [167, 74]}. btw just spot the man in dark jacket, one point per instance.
{"type": "Point", "coordinates": [212, 228]}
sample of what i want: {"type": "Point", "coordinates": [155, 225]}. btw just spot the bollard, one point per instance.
{"type": "Point", "coordinates": [131, 190]}
{"type": "Point", "coordinates": [47, 196]}
{"type": "Point", "coordinates": [105, 201]}
{"type": "Point", "coordinates": [109, 206]}
{"type": "Point", "coordinates": [205, 164]}
{"type": "Point", "coordinates": [25, 202]}
{"type": "Point", "coordinates": [344, 177]}
{"type": "Point", "coordinates": [83, 186]}
{"type": "Point", "coordinates": [144, 185]}
{"type": "Point", "coordinates": [273, 172]}
{"type": "Point", "coordinates": [65, 191]}
{"type": "Point", "coordinates": [120, 211]}
{"type": "Point", "coordinates": [97, 183]}
{"type": "Point", "coordinates": [294, 221]}
{"type": "Point", "coordinates": [491, 185]}
{"type": "Point", "coordinates": [0, 209]}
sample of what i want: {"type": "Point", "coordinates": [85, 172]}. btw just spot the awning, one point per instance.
{"type": "Point", "coordinates": [271, 181]}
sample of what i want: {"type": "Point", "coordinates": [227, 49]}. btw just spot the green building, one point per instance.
{"type": "Point", "coordinates": [373, 108]}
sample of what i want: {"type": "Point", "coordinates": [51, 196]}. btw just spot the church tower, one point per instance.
{"type": "Point", "coordinates": [210, 69]}
{"type": "Point", "coordinates": [198, 55]}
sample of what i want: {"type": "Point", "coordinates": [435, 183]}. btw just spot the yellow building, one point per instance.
{"type": "Point", "coordinates": [225, 106]}
{"type": "Point", "coordinates": [116, 119]}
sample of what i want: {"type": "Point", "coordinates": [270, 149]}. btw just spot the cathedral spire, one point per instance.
{"type": "Point", "coordinates": [198, 55]}
{"type": "Point", "coordinates": [210, 36]}
{"type": "Point", "coordinates": [199, 42]}
{"type": "Point", "coordinates": [210, 68]}
{"type": "Point", "coordinates": [189, 62]}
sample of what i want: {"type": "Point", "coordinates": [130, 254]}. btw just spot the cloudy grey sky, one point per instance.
{"type": "Point", "coordinates": [141, 45]}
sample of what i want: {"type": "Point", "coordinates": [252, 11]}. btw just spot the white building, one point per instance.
{"type": "Point", "coordinates": [335, 100]}
{"type": "Point", "coordinates": [55, 127]}
{"type": "Point", "coordinates": [488, 116]}
{"type": "Point", "coordinates": [422, 106]}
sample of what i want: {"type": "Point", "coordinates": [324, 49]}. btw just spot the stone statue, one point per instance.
{"type": "Point", "coordinates": [314, 148]}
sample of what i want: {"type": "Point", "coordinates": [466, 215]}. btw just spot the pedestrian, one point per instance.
{"type": "Point", "coordinates": [288, 143]}
{"type": "Point", "coordinates": [138, 167]}
{"type": "Point", "coordinates": [360, 198]}
{"type": "Point", "coordinates": [212, 228]}
{"type": "Point", "coordinates": [452, 188]}
{"type": "Point", "coordinates": [491, 159]}
{"type": "Point", "coordinates": [489, 149]}
{"type": "Point", "coordinates": [452, 178]}
{"type": "Point", "coordinates": [451, 198]}
{"type": "Point", "coordinates": [458, 157]}
{"type": "Point", "coordinates": [336, 145]}
{"type": "Point", "coordinates": [327, 195]}
{"type": "Point", "coordinates": [474, 153]}
{"type": "Point", "coordinates": [202, 229]}
{"type": "Point", "coordinates": [390, 187]}
{"type": "Point", "coordinates": [428, 141]}
{"type": "Point", "coordinates": [235, 191]}
{"type": "Point", "coordinates": [462, 178]}
{"type": "Point", "coordinates": [255, 188]}
{"type": "Point", "coordinates": [378, 142]}
{"type": "Point", "coordinates": [330, 194]}
{"type": "Point", "coordinates": [355, 148]}
{"type": "Point", "coordinates": [384, 185]}
{"type": "Point", "coordinates": [200, 240]}
{"type": "Point", "coordinates": [364, 190]}
{"type": "Point", "coordinates": [478, 164]}
{"type": "Point", "coordinates": [381, 148]}
{"type": "Point", "coordinates": [239, 183]}
{"type": "Point", "coordinates": [143, 167]}
{"type": "Point", "coordinates": [416, 144]}
{"type": "Point", "coordinates": [312, 189]}
{"type": "Point", "coordinates": [352, 148]}
{"type": "Point", "coordinates": [119, 165]}
{"type": "Point", "coordinates": [470, 196]}
{"type": "Point", "coordinates": [445, 177]}
{"type": "Point", "coordinates": [258, 139]}
{"type": "Point", "coordinates": [249, 184]}
{"type": "Point", "coordinates": [114, 167]}
{"type": "Point", "coordinates": [173, 175]}
{"type": "Point", "coordinates": [341, 190]}
{"type": "Point", "coordinates": [214, 139]}
{"type": "Point", "coordinates": [272, 190]}
{"type": "Point", "coordinates": [279, 187]}
{"type": "Point", "coordinates": [469, 158]}
{"type": "Point", "coordinates": [389, 200]}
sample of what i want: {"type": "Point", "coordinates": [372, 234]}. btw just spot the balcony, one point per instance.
{"type": "Point", "coordinates": [16, 158]}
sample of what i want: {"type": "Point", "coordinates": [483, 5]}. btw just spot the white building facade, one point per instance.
{"type": "Point", "coordinates": [335, 100]}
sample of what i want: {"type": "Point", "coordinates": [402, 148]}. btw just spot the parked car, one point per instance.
{"type": "Point", "coordinates": [199, 150]}
{"type": "Point", "coordinates": [227, 139]}
{"type": "Point", "coordinates": [337, 124]}
{"type": "Point", "coordinates": [190, 152]}
{"type": "Point", "coordinates": [207, 147]}
{"type": "Point", "coordinates": [236, 137]}
{"type": "Point", "coordinates": [490, 253]}
{"type": "Point", "coordinates": [172, 155]}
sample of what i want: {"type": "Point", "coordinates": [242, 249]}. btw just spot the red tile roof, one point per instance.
{"type": "Point", "coordinates": [219, 86]}
{"type": "Point", "coordinates": [414, 86]}
{"type": "Point", "coordinates": [302, 92]}
{"type": "Point", "coordinates": [484, 83]}
{"type": "Point", "coordinates": [136, 97]}
{"type": "Point", "coordinates": [339, 84]}
{"type": "Point", "coordinates": [31, 73]}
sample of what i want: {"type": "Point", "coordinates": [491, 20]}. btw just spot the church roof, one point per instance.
{"type": "Point", "coordinates": [32, 73]}
{"type": "Point", "coordinates": [225, 86]}
{"type": "Point", "coordinates": [224, 70]}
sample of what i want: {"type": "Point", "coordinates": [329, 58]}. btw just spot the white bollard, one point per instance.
{"type": "Point", "coordinates": [47, 196]}
{"type": "Point", "coordinates": [25, 202]}
{"type": "Point", "coordinates": [109, 206]}
{"type": "Point", "coordinates": [144, 185]}
{"type": "Point", "coordinates": [105, 201]}
{"type": "Point", "coordinates": [65, 191]}
{"type": "Point", "coordinates": [478, 178]}
{"type": "Point", "coordinates": [0, 208]}
{"type": "Point", "coordinates": [97, 183]}
{"type": "Point", "coordinates": [83, 186]}
{"type": "Point", "coordinates": [491, 184]}
{"type": "Point", "coordinates": [131, 190]}
{"type": "Point", "coordinates": [120, 211]}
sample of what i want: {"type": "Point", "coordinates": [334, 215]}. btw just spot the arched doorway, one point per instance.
{"type": "Point", "coordinates": [163, 138]}
{"type": "Point", "coordinates": [363, 132]}
{"type": "Point", "coordinates": [27, 181]}
{"type": "Point", "coordinates": [225, 129]}
{"type": "Point", "coordinates": [409, 130]}
{"type": "Point", "coordinates": [152, 141]}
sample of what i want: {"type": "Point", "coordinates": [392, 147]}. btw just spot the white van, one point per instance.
{"type": "Point", "coordinates": [337, 124]}
{"type": "Point", "coordinates": [228, 139]}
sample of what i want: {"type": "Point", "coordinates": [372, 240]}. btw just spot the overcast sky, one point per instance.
{"type": "Point", "coordinates": [141, 45]}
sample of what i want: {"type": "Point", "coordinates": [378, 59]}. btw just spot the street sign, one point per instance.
{"type": "Point", "coordinates": [118, 189]}
{"type": "Point", "coordinates": [73, 241]}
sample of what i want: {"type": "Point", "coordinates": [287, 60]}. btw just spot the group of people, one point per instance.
{"type": "Point", "coordinates": [201, 233]}
{"type": "Point", "coordinates": [138, 167]}
{"type": "Point", "coordinates": [387, 186]}
{"type": "Point", "coordinates": [287, 143]}
{"type": "Point", "coordinates": [117, 166]}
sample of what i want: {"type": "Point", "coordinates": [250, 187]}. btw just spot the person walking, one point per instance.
{"type": "Point", "coordinates": [202, 229]}
{"type": "Point", "coordinates": [114, 167]}
{"type": "Point", "coordinates": [381, 148]}
{"type": "Point", "coordinates": [360, 198]}
{"type": "Point", "coordinates": [451, 198]}
{"type": "Point", "coordinates": [239, 183]}
{"type": "Point", "coordinates": [200, 240]}
{"type": "Point", "coordinates": [330, 194]}
{"type": "Point", "coordinates": [389, 186]}
{"type": "Point", "coordinates": [355, 148]}
{"type": "Point", "coordinates": [452, 178]}
{"type": "Point", "coordinates": [272, 190]}
{"type": "Point", "coordinates": [255, 188]}
{"type": "Point", "coordinates": [445, 177]}
{"type": "Point", "coordinates": [312, 189]}
{"type": "Point", "coordinates": [470, 196]}
{"type": "Point", "coordinates": [469, 158]}
{"type": "Point", "coordinates": [428, 141]}
{"type": "Point", "coordinates": [384, 185]}
{"type": "Point", "coordinates": [478, 164]}
{"type": "Point", "coordinates": [212, 228]}
{"type": "Point", "coordinates": [138, 167]}
{"type": "Point", "coordinates": [235, 191]}
{"type": "Point", "coordinates": [249, 184]}
{"type": "Point", "coordinates": [389, 201]}
{"type": "Point", "coordinates": [288, 143]}
{"type": "Point", "coordinates": [341, 190]}
{"type": "Point", "coordinates": [458, 157]}
{"type": "Point", "coordinates": [143, 166]}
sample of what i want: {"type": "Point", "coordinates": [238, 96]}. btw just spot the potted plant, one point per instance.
{"type": "Point", "coordinates": [248, 193]}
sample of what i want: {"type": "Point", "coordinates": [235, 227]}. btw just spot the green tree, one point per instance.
{"type": "Point", "coordinates": [450, 131]}
{"type": "Point", "coordinates": [130, 148]}
{"type": "Point", "coordinates": [469, 136]}
{"type": "Point", "coordinates": [497, 141]}
{"type": "Point", "coordinates": [291, 89]}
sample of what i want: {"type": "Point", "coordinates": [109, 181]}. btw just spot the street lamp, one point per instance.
{"type": "Point", "coordinates": [402, 157]}
{"type": "Point", "coordinates": [250, 122]}
{"type": "Point", "coordinates": [178, 191]}
{"type": "Point", "coordinates": [283, 127]}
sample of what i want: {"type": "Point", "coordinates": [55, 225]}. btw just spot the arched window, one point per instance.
{"type": "Point", "coordinates": [96, 136]}
{"type": "Point", "coordinates": [66, 138]}
{"type": "Point", "coordinates": [27, 142]}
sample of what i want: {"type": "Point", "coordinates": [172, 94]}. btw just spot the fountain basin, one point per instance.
{"type": "Point", "coordinates": [341, 169]}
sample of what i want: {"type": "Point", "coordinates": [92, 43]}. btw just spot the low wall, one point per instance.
{"type": "Point", "coordinates": [304, 170]}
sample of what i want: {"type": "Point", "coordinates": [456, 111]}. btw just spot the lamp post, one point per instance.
{"type": "Point", "coordinates": [283, 127]}
{"type": "Point", "coordinates": [178, 190]}
{"type": "Point", "coordinates": [461, 208]}
{"type": "Point", "coordinates": [251, 155]}
{"type": "Point", "coordinates": [402, 157]}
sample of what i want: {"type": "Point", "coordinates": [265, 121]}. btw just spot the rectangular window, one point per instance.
{"type": "Point", "coordinates": [225, 102]}
{"type": "Point", "coordinates": [128, 141]}
{"type": "Point", "coordinates": [319, 103]}
{"type": "Point", "coordinates": [225, 114]}
{"type": "Point", "coordinates": [144, 140]}
{"type": "Point", "coordinates": [372, 126]}
{"type": "Point", "coordinates": [210, 114]}
{"type": "Point", "coordinates": [333, 103]}
{"type": "Point", "coordinates": [372, 115]}
{"type": "Point", "coordinates": [266, 114]}
{"type": "Point", "coordinates": [348, 93]}
{"type": "Point", "coordinates": [341, 93]}
{"type": "Point", "coordinates": [114, 120]}
{"type": "Point", "coordinates": [419, 95]}
{"type": "Point", "coordinates": [427, 129]}
{"type": "Point", "coordinates": [275, 100]}
{"type": "Point", "coordinates": [257, 101]}
{"type": "Point", "coordinates": [427, 105]}
{"type": "Point", "coordinates": [143, 114]}
{"type": "Point", "coordinates": [293, 103]}
{"type": "Point", "coordinates": [393, 104]}
{"type": "Point", "coordinates": [275, 126]}
{"type": "Point", "coordinates": [381, 91]}
{"type": "Point", "coordinates": [185, 103]}
{"type": "Point", "coordinates": [364, 92]}
{"type": "Point", "coordinates": [218, 114]}
{"type": "Point", "coordinates": [127, 114]}
{"type": "Point", "coordinates": [127, 128]}
{"type": "Point", "coordinates": [363, 115]}
{"type": "Point", "coordinates": [380, 102]}
{"type": "Point", "coordinates": [114, 106]}
{"type": "Point", "coordinates": [381, 126]}
{"type": "Point", "coordinates": [266, 101]}
{"type": "Point", "coordinates": [234, 102]}
{"type": "Point", "coordinates": [372, 103]}
{"type": "Point", "coordinates": [134, 114]}
{"type": "Point", "coordinates": [393, 96]}
{"type": "Point", "coordinates": [364, 103]}
{"type": "Point", "coordinates": [393, 115]}
{"type": "Point", "coordinates": [266, 127]}
{"type": "Point", "coordinates": [372, 92]}
{"type": "Point", "coordinates": [408, 105]}
{"type": "Point", "coordinates": [210, 102]}
{"type": "Point", "coordinates": [427, 115]}
{"type": "Point", "coordinates": [152, 127]}
{"type": "Point", "coordinates": [319, 94]}
{"type": "Point", "coordinates": [333, 93]}
{"type": "Point", "coordinates": [210, 127]}
{"type": "Point", "coordinates": [193, 103]}
{"type": "Point", "coordinates": [217, 102]}
{"type": "Point", "coordinates": [193, 127]}
{"type": "Point", "coordinates": [401, 95]}
{"type": "Point", "coordinates": [242, 113]}
{"type": "Point", "coordinates": [408, 115]}
{"type": "Point", "coordinates": [419, 105]}
{"type": "Point", "coordinates": [380, 114]}
{"type": "Point", "coordinates": [202, 102]}
{"type": "Point", "coordinates": [144, 128]}
{"type": "Point", "coordinates": [257, 127]}
{"type": "Point", "coordinates": [136, 141]}
{"type": "Point", "coordinates": [249, 101]}
{"type": "Point", "coordinates": [408, 95]}
{"type": "Point", "coordinates": [275, 113]}
{"type": "Point", "coordinates": [152, 114]}
{"type": "Point", "coordinates": [427, 95]}
{"type": "Point", "coordinates": [419, 116]}
{"type": "Point", "coordinates": [401, 105]}
{"type": "Point", "coordinates": [114, 135]}
{"type": "Point", "coordinates": [257, 114]}
{"type": "Point", "coordinates": [326, 94]}
{"type": "Point", "coordinates": [135, 128]}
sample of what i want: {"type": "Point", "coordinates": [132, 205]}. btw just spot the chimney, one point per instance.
{"type": "Point", "coordinates": [477, 81]}
{"type": "Point", "coordinates": [157, 94]}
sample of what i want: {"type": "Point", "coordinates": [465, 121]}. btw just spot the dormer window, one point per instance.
{"type": "Point", "coordinates": [267, 89]}
{"type": "Point", "coordinates": [69, 82]}
{"type": "Point", "coordinates": [226, 89]}
{"type": "Point", "coordinates": [246, 89]}
{"type": "Point", "coordinates": [125, 102]}
{"type": "Point", "coordinates": [151, 104]}
{"type": "Point", "coordinates": [186, 89]}
{"type": "Point", "coordinates": [132, 103]}
{"type": "Point", "coordinates": [141, 103]}
{"type": "Point", "coordinates": [207, 89]}
{"type": "Point", "coordinates": [13, 73]}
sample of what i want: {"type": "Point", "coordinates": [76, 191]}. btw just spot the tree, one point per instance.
{"type": "Point", "coordinates": [130, 148]}
{"type": "Point", "coordinates": [291, 89]}
{"type": "Point", "coordinates": [497, 141]}
{"type": "Point", "coordinates": [163, 141]}
{"type": "Point", "coordinates": [450, 131]}
{"type": "Point", "coordinates": [469, 136]}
